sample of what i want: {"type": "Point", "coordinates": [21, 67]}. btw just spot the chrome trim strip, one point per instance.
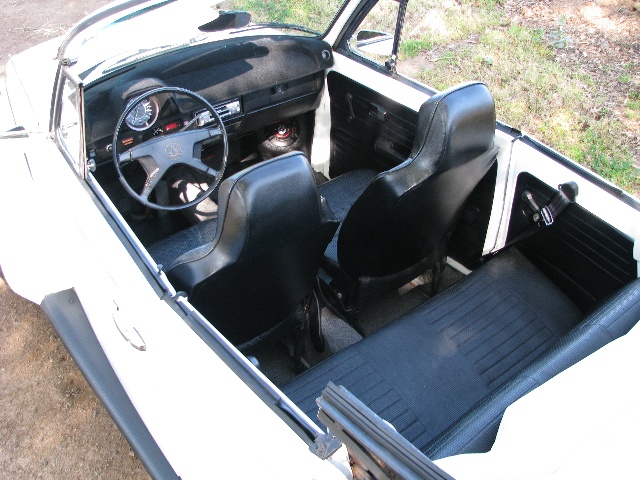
{"type": "Point", "coordinates": [54, 124]}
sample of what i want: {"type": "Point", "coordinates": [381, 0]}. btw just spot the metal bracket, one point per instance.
{"type": "Point", "coordinates": [326, 445]}
{"type": "Point", "coordinates": [390, 65]}
{"type": "Point", "coordinates": [68, 62]}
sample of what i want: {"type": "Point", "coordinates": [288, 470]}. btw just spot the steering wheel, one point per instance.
{"type": "Point", "coordinates": [184, 147]}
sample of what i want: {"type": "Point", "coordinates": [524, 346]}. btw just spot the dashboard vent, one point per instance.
{"type": "Point", "coordinates": [228, 109]}
{"type": "Point", "coordinates": [224, 111]}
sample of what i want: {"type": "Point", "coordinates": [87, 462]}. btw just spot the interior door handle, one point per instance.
{"type": "Point", "coordinates": [377, 112]}
{"type": "Point", "coordinates": [352, 116]}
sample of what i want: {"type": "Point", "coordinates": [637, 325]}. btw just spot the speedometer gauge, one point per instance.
{"type": "Point", "coordinates": [143, 115]}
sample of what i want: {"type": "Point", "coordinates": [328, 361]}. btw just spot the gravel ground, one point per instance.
{"type": "Point", "coordinates": [51, 423]}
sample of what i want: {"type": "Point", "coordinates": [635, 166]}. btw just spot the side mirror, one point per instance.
{"type": "Point", "coordinates": [373, 41]}
{"type": "Point", "coordinates": [227, 19]}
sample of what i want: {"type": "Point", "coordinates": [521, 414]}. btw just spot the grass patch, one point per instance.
{"type": "Point", "coordinates": [532, 91]}
{"type": "Point", "coordinates": [412, 48]}
{"type": "Point", "coordinates": [597, 155]}
{"type": "Point", "coordinates": [632, 105]}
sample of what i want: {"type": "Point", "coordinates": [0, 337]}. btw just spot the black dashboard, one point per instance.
{"type": "Point", "coordinates": [251, 82]}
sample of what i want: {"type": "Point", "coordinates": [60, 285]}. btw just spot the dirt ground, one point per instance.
{"type": "Point", "coordinates": [603, 41]}
{"type": "Point", "coordinates": [51, 424]}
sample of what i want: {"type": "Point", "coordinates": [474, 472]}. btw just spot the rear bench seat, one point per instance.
{"type": "Point", "coordinates": [444, 373]}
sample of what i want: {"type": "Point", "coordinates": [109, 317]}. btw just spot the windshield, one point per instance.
{"type": "Point", "coordinates": [312, 15]}
{"type": "Point", "coordinates": [153, 29]}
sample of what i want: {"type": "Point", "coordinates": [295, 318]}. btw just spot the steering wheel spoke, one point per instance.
{"type": "Point", "coordinates": [151, 183]}
{"type": "Point", "coordinates": [157, 155]}
{"type": "Point", "coordinates": [215, 132]}
{"type": "Point", "coordinates": [200, 166]}
{"type": "Point", "coordinates": [125, 157]}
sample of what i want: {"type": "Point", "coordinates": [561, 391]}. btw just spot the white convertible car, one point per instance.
{"type": "Point", "coordinates": [274, 256]}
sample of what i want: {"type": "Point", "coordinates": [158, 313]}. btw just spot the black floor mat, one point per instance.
{"type": "Point", "coordinates": [150, 226]}
{"type": "Point", "coordinates": [425, 370]}
{"type": "Point", "coordinates": [154, 228]}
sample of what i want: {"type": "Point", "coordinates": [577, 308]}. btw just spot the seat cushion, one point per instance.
{"type": "Point", "coordinates": [476, 430]}
{"type": "Point", "coordinates": [340, 194]}
{"type": "Point", "coordinates": [168, 250]}
{"type": "Point", "coordinates": [262, 263]}
{"type": "Point", "coordinates": [428, 368]}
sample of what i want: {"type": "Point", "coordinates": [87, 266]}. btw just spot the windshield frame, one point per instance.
{"type": "Point", "coordinates": [96, 46]}
{"type": "Point", "coordinates": [64, 77]}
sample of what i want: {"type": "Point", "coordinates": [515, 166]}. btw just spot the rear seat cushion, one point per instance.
{"type": "Point", "coordinates": [476, 430]}
{"type": "Point", "coordinates": [428, 368]}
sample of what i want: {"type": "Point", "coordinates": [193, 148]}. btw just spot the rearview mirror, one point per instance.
{"type": "Point", "coordinates": [227, 19]}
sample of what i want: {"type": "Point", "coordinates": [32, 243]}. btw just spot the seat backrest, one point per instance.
{"type": "Point", "coordinates": [405, 213]}
{"type": "Point", "coordinates": [476, 431]}
{"type": "Point", "coordinates": [272, 231]}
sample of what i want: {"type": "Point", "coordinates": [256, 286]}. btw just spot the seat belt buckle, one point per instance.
{"type": "Point", "coordinates": [542, 217]}
{"type": "Point", "coordinates": [545, 216]}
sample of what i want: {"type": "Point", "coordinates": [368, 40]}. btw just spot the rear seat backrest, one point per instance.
{"type": "Point", "coordinates": [582, 423]}
{"type": "Point", "coordinates": [475, 431]}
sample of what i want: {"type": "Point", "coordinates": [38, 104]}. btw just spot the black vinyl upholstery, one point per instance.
{"type": "Point", "coordinates": [476, 430]}
{"type": "Point", "coordinates": [444, 373]}
{"type": "Point", "coordinates": [395, 224]}
{"type": "Point", "coordinates": [168, 250]}
{"type": "Point", "coordinates": [272, 230]}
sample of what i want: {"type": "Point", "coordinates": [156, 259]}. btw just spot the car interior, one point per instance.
{"type": "Point", "coordinates": [372, 277]}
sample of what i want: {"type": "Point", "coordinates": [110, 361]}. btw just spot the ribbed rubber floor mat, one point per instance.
{"type": "Point", "coordinates": [425, 370]}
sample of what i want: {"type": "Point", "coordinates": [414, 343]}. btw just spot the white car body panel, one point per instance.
{"type": "Point", "coordinates": [206, 421]}
{"type": "Point", "coordinates": [176, 383]}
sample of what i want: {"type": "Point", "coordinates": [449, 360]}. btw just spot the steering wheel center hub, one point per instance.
{"type": "Point", "coordinates": [162, 151]}
{"type": "Point", "coordinates": [173, 151]}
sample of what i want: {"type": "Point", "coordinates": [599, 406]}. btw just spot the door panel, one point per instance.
{"type": "Point", "coordinates": [368, 130]}
{"type": "Point", "coordinates": [583, 254]}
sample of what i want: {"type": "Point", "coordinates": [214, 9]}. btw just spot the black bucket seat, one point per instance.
{"type": "Point", "coordinates": [249, 270]}
{"type": "Point", "coordinates": [395, 224]}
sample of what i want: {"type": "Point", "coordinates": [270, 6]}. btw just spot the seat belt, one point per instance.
{"type": "Point", "coordinates": [543, 217]}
